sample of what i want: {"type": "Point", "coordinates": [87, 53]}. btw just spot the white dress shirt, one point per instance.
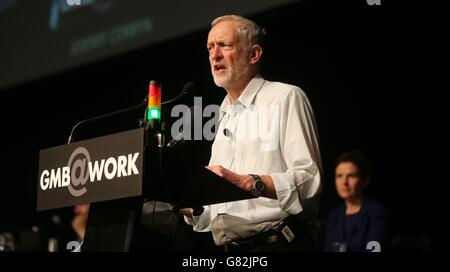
{"type": "Point", "coordinates": [269, 130]}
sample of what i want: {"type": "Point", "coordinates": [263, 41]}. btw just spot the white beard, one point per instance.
{"type": "Point", "coordinates": [230, 77]}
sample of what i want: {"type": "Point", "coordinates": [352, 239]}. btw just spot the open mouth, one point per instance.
{"type": "Point", "coordinates": [219, 68]}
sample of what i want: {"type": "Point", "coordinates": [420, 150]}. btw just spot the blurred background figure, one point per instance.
{"type": "Point", "coordinates": [78, 224]}
{"type": "Point", "coordinates": [7, 242]}
{"type": "Point", "coordinates": [79, 221]}
{"type": "Point", "coordinates": [359, 224]}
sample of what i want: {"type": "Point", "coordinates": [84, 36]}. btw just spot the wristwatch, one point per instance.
{"type": "Point", "coordinates": [197, 211]}
{"type": "Point", "coordinates": [258, 186]}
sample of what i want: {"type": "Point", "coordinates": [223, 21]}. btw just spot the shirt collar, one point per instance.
{"type": "Point", "coordinates": [247, 96]}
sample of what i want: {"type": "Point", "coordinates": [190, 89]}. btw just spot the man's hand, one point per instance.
{"type": "Point", "coordinates": [186, 212]}
{"type": "Point", "coordinates": [245, 182]}
{"type": "Point", "coordinates": [189, 212]}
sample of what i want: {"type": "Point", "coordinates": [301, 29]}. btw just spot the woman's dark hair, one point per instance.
{"type": "Point", "coordinates": [358, 159]}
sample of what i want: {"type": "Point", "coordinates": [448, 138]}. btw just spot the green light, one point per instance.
{"type": "Point", "coordinates": [153, 113]}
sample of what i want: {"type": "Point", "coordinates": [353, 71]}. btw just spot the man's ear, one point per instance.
{"type": "Point", "coordinates": [255, 53]}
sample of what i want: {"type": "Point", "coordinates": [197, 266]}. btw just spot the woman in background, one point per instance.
{"type": "Point", "coordinates": [358, 225]}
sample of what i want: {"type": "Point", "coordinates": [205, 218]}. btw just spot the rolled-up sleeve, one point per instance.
{"type": "Point", "coordinates": [298, 186]}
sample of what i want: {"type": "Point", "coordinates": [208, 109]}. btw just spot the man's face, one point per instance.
{"type": "Point", "coordinates": [227, 55]}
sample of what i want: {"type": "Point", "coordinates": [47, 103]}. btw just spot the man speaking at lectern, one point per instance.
{"type": "Point", "coordinates": [266, 144]}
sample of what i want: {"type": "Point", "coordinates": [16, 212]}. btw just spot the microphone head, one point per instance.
{"type": "Point", "coordinates": [227, 132]}
{"type": "Point", "coordinates": [189, 88]}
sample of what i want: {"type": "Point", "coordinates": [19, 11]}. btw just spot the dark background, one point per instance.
{"type": "Point", "coordinates": [370, 73]}
{"type": "Point", "coordinates": [41, 37]}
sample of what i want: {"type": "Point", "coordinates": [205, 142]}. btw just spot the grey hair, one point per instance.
{"type": "Point", "coordinates": [249, 30]}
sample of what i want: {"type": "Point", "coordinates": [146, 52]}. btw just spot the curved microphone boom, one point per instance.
{"type": "Point", "coordinates": [85, 121]}
{"type": "Point", "coordinates": [188, 89]}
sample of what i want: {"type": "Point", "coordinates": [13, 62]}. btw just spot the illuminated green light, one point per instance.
{"type": "Point", "coordinates": [153, 113]}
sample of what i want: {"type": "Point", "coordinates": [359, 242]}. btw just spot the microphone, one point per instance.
{"type": "Point", "coordinates": [175, 140]}
{"type": "Point", "coordinates": [153, 112]}
{"type": "Point", "coordinates": [227, 132]}
{"type": "Point", "coordinates": [188, 89]}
